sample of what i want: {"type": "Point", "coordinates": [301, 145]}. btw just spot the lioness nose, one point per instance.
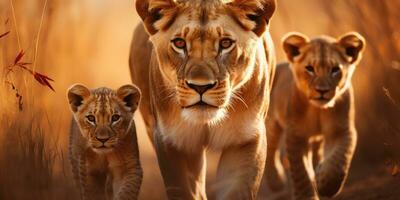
{"type": "Point", "coordinates": [201, 88]}
{"type": "Point", "coordinates": [102, 140]}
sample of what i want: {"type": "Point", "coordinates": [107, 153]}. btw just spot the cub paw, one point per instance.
{"type": "Point", "coordinates": [329, 182]}
{"type": "Point", "coordinates": [275, 181]}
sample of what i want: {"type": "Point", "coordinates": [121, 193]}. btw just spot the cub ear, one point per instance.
{"type": "Point", "coordinates": [292, 42]}
{"type": "Point", "coordinates": [76, 94]}
{"type": "Point", "coordinates": [130, 95]}
{"type": "Point", "coordinates": [253, 14]}
{"type": "Point", "coordinates": [152, 11]}
{"type": "Point", "coordinates": [353, 44]}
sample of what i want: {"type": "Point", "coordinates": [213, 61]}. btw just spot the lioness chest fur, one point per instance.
{"type": "Point", "coordinates": [103, 147]}
{"type": "Point", "coordinates": [312, 104]}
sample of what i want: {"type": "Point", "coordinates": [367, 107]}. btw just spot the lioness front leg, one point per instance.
{"type": "Point", "coordinates": [241, 169]}
{"type": "Point", "coordinates": [332, 172]}
{"type": "Point", "coordinates": [299, 167]}
{"type": "Point", "coordinates": [183, 173]}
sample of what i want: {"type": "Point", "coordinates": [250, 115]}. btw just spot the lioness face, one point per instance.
{"type": "Point", "coordinates": [205, 64]}
{"type": "Point", "coordinates": [205, 55]}
{"type": "Point", "coordinates": [104, 116]}
{"type": "Point", "coordinates": [323, 67]}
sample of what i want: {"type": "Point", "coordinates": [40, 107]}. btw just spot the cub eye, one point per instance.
{"type": "Point", "coordinates": [179, 43]}
{"type": "Point", "coordinates": [91, 118]}
{"type": "Point", "coordinates": [226, 43]}
{"type": "Point", "coordinates": [310, 68]}
{"type": "Point", "coordinates": [115, 117]}
{"type": "Point", "coordinates": [335, 69]}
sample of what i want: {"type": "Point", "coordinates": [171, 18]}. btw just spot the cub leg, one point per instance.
{"type": "Point", "coordinates": [96, 183]}
{"type": "Point", "coordinates": [82, 178]}
{"type": "Point", "coordinates": [240, 170]}
{"type": "Point", "coordinates": [332, 172]}
{"type": "Point", "coordinates": [92, 183]}
{"type": "Point", "coordinates": [129, 183]}
{"type": "Point", "coordinates": [131, 180]}
{"type": "Point", "coordinates": [75, 170]}
{"type": "Point", "coordinates": [299, 167]}
{"type": "Point", "coordinates": [317, 152]}
{"type": "Point", "coordinates": [274, 172]}
{"type": "Point", "coordinates": [109, 187]}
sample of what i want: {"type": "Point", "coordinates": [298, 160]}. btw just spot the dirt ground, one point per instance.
{"type": "Point", "coordinates": [371, 183]}
{"type": "Point", "coordinates": [365, 182]}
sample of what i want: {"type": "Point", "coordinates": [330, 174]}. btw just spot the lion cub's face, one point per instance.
{"type": "Point", "coordinates": [104, 116]}
{"type": "Point", "coordinates": [205, 49]}
{"type": "Point", "coordinates": [323, 66]}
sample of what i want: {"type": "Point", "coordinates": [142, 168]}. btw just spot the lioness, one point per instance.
{"type": "Point", "coordinates": [204, 67]}
{"type": "Point", "coordinates": [313, 97]}
{"type": "Point", "coordinates": [103, 147]}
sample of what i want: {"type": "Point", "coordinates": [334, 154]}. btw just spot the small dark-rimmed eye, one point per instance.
{"type": "Point", "coordinates": [179, 43]}
{"type": "Point", "coordinates": [91, 118]}
{"type": "Point", "coordinates": [115, 117]}
{"type": "Point", "coordinates": [335, 69]}
{"type": "Point", "coordinates": [226, 43]}
{"type": "Point", "coordinates": [310, 68]}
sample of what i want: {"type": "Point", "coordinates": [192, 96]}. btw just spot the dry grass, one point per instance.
{"type": "Point", "coordinates": [29, 160]}
{"type": "Point", "coordinates": [88, 42]}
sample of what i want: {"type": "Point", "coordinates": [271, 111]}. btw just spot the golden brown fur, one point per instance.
{"type": "Point", "coordinates": [103, 148]}
{"type": "Point", "coordinates": [312, 105]}
{"type": "Point", "coordinates": [204, 68]}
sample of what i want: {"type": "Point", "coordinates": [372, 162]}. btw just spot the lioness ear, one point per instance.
{"type": "Point", "coordinates": [253, 14]}
{"type": "Point", "coordinates": [152, 11]}
{"type": "Point", "coordinates": [292, 42]}
{"type": "Point", "coordinates": [130, 95]}
{"type": "Point", "coordinates": [76, 94]}
{"type": "Point", "coordinates": [353, 44]}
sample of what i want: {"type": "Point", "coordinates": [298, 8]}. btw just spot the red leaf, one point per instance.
{"type": "Point", "coordinates": [47, 78]}
{"type": "Point", "coordinates": [19, 57]}
{"type": "Point", "coordinates": [43, 80]}
{"type": "Point", "coordinates": [4, 34]}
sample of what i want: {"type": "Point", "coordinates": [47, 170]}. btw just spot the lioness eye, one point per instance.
{"type": "Point", "coordinates": [115, 117]}
{"type": "Point", "coordinates": [335, 69]}
{"type": "Point", "coordinates": [310, 68]}
{"type": "Point", "coordinates": [91, 118]}
{"type": "Point", "coordinates": [179, 43]}
{"type": "Point", "coordinates": [226, 43]}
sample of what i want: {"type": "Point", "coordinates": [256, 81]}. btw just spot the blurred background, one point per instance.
{"type": "Point", "coordinates": [88, 42]}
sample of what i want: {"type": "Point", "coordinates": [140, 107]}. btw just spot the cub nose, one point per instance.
{"type": "Point", "coordinates": [102, 140]}
{"type": "Point", "coordinates": [322, 91]}
{"type": "Point", "coordinates": [201, 88]}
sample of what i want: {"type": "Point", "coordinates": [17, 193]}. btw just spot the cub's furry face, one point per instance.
{"type": "Point", "coordinates": [103, 115]}
{"type": "Point", "coordinates": [323, 66]}
{"type": "Point", "coordinates": [206, 50]}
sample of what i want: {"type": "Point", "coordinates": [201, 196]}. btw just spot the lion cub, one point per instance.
{"type": "Point", "coordinates": [103, 147]}
{"type": "Point", "coordinates": [312, 104]}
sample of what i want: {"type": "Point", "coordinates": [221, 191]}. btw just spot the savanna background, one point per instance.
{"type": "Point", "coordinates": [88, 42]}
